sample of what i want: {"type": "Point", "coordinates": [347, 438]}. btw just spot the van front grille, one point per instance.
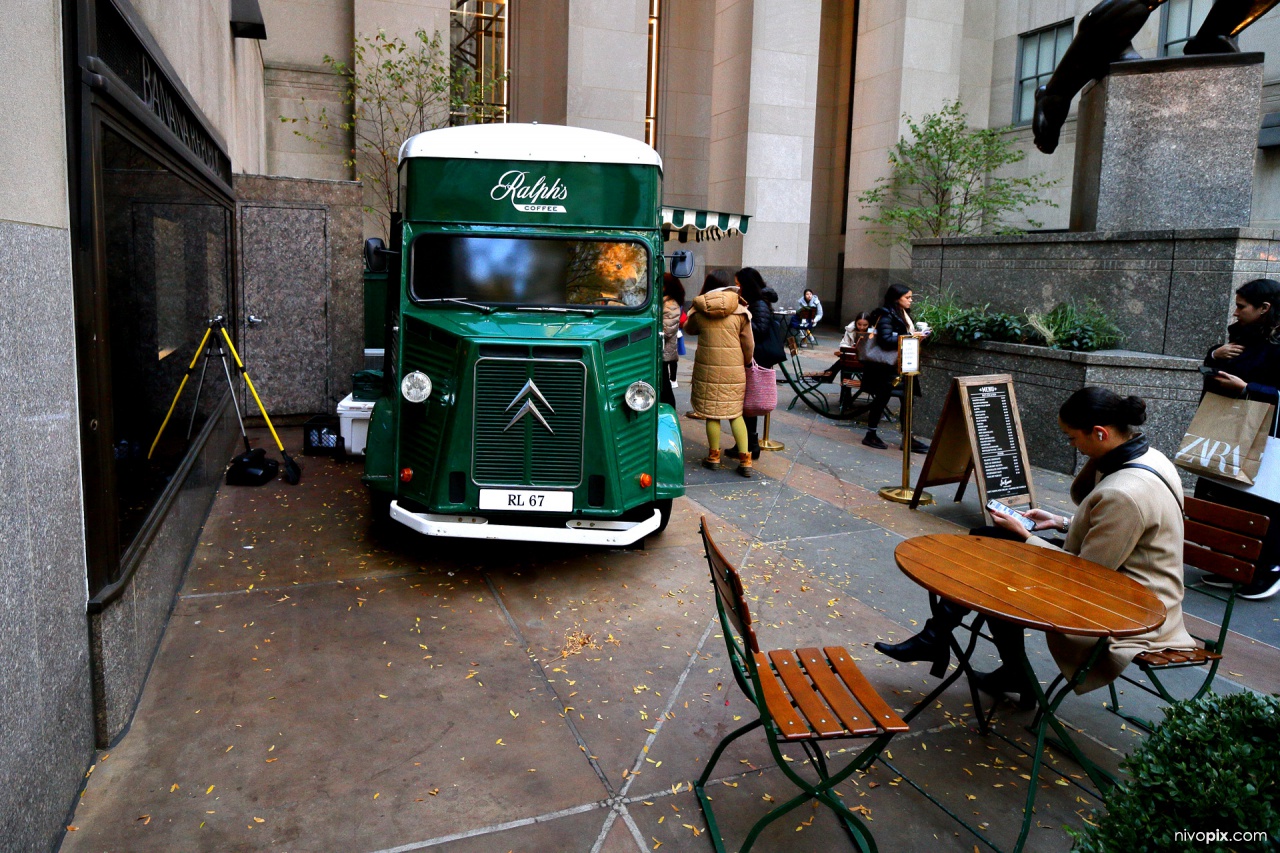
{"type": "Point", "coordinates": [528, 422]}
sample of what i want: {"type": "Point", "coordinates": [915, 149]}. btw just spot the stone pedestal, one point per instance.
{"type": "Point", "coordinates": [1168, 144]}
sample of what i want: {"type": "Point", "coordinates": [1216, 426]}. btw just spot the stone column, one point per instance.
{"type": "Point", "coordinates": [1168, 143]}
{"type": "Point", "coordinates": [608, 61]}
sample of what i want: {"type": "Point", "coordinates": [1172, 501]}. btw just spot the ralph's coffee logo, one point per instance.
{"type": "Point", "coordinates": [530, 197]}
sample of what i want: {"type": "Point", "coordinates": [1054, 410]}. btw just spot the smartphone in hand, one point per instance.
{"type": "Point", "coordinates": [1008, 510]}
{"type": "Point", "coordinates": [1209, 371]}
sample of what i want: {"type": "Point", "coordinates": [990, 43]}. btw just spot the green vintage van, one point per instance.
{"type": "Point", "coordinates": [524, 340]}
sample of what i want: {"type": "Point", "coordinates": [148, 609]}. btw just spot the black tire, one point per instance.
{"type": "Point", "coordinates": [380, 511]}
{"type": "Point", "coordinates": [340, 450]}
{"type": "Point", "coordinates": [663, 507]}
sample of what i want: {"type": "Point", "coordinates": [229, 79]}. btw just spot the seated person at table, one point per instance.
{"type": "Point", "coordinates": [1129, 519]}
{"type": "Point", "coordinates": [854, 333]}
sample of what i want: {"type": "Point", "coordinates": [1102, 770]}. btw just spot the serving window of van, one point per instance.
{"type": "Point", "coordinates": [529, 271]}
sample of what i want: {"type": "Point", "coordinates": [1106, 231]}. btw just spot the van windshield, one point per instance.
{"type": "Point", "coordinates": [529, 271]}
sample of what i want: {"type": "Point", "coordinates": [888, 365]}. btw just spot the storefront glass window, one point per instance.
{"type": "Point", "coordinates": [168, 272]}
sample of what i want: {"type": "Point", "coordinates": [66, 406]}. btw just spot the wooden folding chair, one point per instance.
{"type": "Point", "coordinates": [802, 696]}
{"type": "Point", "coordinates": [1222, 541]}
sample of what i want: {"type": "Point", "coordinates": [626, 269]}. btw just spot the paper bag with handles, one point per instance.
{"type": "Point", "coordinates": [1226, 439]}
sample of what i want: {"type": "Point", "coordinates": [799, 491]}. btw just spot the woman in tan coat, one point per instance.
{"type": "Point", "coordinates": [1129, 519]}
{"type": "Point", "coordinates": [720, 319]}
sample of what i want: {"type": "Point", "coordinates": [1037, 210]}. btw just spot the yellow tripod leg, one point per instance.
{"type": "Point", "coordinates": [252, 390]}
{"type": "Point", "coordinates": [181, 385]}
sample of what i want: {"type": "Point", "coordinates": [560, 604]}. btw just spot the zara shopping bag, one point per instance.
{"type": "Point", "coordinates": [762, 391]}
{"type": "Point", "coordinates": [1226, 439]}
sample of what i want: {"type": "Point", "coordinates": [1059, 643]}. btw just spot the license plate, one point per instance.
{"type": "Point", "coordinates": [509, 500]}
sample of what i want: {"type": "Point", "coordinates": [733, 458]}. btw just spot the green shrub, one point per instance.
{"type": "Point", "coordinates": [1213, 764]}
{"type": "Point", "coordinates": [1082, 327]}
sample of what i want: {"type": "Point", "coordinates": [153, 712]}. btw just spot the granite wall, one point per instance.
{"type": "Point", "coordinates": [1044, 378]}
{"type": "Point", "coordinates": [1170, 292]}
{"type": "Point", "coordinates": [301, 271]}
{"type": "Point", "coordinates": [126, 631]}
{"type": "Point", "coordinates": [45, 697]}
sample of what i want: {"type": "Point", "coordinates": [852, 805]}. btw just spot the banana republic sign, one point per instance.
{"type": "Point", "coordinates": [166, 106]}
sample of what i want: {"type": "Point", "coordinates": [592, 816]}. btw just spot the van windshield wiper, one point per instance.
{"type": "Point", "coordinates": [457, 300]}
{"type": "Point", "coordinates": [590, 312]}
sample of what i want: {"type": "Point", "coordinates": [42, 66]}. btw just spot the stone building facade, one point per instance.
{"type": "Point", "coordinates": [147, 170]}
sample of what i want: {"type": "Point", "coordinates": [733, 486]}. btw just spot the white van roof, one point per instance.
{"type": "Point", "coordinates": [544, 142]}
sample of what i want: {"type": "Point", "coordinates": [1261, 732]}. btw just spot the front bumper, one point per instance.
{"type": "Point", "coordinates": [613, 534]}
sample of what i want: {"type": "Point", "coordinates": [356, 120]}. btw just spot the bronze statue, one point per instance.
{"type": "Point", "coordinates": [1106, 35]}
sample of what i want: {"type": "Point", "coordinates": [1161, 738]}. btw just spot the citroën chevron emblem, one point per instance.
{"type": "Point", "coordinates": [527, 393]}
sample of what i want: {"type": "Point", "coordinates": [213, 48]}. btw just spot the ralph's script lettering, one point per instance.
{"type": "Point", "coordinates": [527, 197]}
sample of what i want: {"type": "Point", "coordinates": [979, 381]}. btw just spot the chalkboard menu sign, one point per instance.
{"type": "Point", "coordinates": [980, 433]}
{"type": "Point", "coordinates": [997, 438]}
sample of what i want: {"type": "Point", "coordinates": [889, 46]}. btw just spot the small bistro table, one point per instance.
{"type": "Point", "coordinates": [1039, 588]}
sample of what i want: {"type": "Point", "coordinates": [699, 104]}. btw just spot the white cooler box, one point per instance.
{"type": "Point", "coordinates": [354, 417]}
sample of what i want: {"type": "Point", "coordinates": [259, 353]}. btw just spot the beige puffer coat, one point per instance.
{"type": "Point", "coordinates": [670, 328]}
{"type": "Point", "coordinates": [1128, 521]}
{"type": "Point", "coordinates": [723, 325]}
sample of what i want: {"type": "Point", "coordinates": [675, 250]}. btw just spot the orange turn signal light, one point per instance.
{"type": "Point", "coordinates": [406, 474]}
{"type": "Point", "coordinates": [645, 481]}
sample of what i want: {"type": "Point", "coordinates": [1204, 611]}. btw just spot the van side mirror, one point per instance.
{"type": "Point", "coordinates": [681, 263]}
{"type": "Point", "coordinates": [375, 255]}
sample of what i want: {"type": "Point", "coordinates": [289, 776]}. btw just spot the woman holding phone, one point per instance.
{"type": "Point", "coordinates": [1248, 366]}
{"type": "Point", "coordinates": [1129, 519]}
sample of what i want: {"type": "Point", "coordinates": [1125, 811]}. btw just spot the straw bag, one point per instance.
{"type": "Point", "coordinates": [762, 391]}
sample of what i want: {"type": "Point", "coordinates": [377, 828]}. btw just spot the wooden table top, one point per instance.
{"type": "Point", "coordinates": [1040, 588]}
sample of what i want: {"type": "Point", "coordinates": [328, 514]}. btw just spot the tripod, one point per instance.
{"type": "Point", "coordinates": [292, 472]}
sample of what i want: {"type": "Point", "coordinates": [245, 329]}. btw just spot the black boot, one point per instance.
{"type": "Point", "coordinates": [928, 645]}
{"type": "Point", "coordinates": [1007, 680]}
{"type": "Point", "coordinates": [753, 443]}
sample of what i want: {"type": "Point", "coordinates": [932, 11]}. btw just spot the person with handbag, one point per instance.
{"type": "Point", "coordinates": [720, 319]}
{"type": "Point", "coordinates": [1129, 518]}
{"type": "Point", "coordinates": [1248, 366]}
{"type": "Point", "coordinates": [768, 353]}
{"type": "Point", "coordinates": [879, 357]}
{"type": "Point", "coordinates": [672, 308]}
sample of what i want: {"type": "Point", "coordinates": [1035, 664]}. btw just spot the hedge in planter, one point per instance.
{"type": "Point", "coordinates": [1213, 764]}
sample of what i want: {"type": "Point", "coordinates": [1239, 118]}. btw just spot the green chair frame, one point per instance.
{"type": "Point", "coordinates": [802, 696]}
{"type": "Point", "coordinates": [807, 386]}
{"type": "Point", "coordinates": [1222, 541]}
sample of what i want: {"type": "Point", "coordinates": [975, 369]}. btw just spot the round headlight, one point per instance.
{"type": "Point", "coordinates": [641, 396]}
{"type": "Point", "coordinates": [416, 386]}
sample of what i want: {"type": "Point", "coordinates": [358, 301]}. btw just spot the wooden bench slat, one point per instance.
{"type": "Point", "coordinates": [1223, 541]}
{"type": "Point", "coordinates": [862, 690]}
{"type": "Point", "coordinates": [1230, 518]}
{"type": "Point", "coordinates": [1219, 564]}
{"type": "Point", "coordinates": [821, 718]}
{"type": "Point", "coordinates": [784, 714]}
{"type": "Point", "coordinates": [856, 719]}
{"type": "Point", "coordinates": [1160, 660]}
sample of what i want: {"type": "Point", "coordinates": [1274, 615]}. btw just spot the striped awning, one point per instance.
{"type": "Point", "coordinates": [683, 223]}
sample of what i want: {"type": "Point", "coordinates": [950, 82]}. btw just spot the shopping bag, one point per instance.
{"type": "Point", "coordinates": [1226, 439]}
{"type": "Point", "coordinates": [762, 391]}
{"type": "Point", "coordinates": [679, 343]}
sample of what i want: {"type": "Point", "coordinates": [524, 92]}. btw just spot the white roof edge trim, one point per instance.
{"type": "Point", "coordinates": [535, 142]}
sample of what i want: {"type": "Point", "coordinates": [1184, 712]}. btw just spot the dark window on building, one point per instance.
{"type": "Point", "coordinates": [1179, 21]}
{"type": "Point", "coordinates": [1038, 55]}
{"type": "Point", "coordinates": [167, 272]}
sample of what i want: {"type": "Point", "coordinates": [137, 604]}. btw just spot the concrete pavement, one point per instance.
{"type": "Point", "coordinates": [321, 688]}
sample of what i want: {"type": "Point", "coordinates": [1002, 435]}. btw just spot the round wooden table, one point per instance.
{"type": "Point", "coordinates": [1040, 588]}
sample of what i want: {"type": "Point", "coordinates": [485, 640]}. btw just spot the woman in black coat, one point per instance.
{"type": "Point", "coordinates": [1248, 365]}
{"type": "Point", "coordinates": [890, 320]}
{"type": "Point", "coordinates": [760, 297]}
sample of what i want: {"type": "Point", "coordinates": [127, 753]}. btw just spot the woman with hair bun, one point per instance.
{"type": "Point", "coordinates": [1248, 365]}
{"type": "Point", "coordinates": [1129, 519]}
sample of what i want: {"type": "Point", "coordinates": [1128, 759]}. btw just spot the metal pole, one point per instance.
{"type": "Point", "coordinates": [767, 443]}
{"type": "Point", "coordinates": [904, 494]}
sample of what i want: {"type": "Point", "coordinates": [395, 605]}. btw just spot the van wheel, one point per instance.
{"type": "Point", "coordinates": [663, 507]}
{"type": "Point", "coordinates": [379, 510]}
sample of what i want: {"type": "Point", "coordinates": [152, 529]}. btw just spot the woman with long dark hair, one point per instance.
{"type": "Point", "coordinates": [768, 352]}
{"type": "Point", "coordinates": [672, 306]}
{"type": "Point", "coordinates": [890, 320]}
{"type": "Point", "coordinates": [1129, 519]}
{"type": "Point", "coordinates": [1248, 365]}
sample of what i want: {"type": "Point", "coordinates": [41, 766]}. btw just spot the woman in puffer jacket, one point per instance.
{"type": "Point", "coordinates": [720, 319]}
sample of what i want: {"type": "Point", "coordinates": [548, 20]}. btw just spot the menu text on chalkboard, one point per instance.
{"type": "Point", "coordinates": [999, 454]}
{"type": "Point", "coordinates": [979, 432]}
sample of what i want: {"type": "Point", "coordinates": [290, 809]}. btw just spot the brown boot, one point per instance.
{"type": "Point", "coordinates": [713, 459]}
{"type": "Point", "coordinates": [744, 465]}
